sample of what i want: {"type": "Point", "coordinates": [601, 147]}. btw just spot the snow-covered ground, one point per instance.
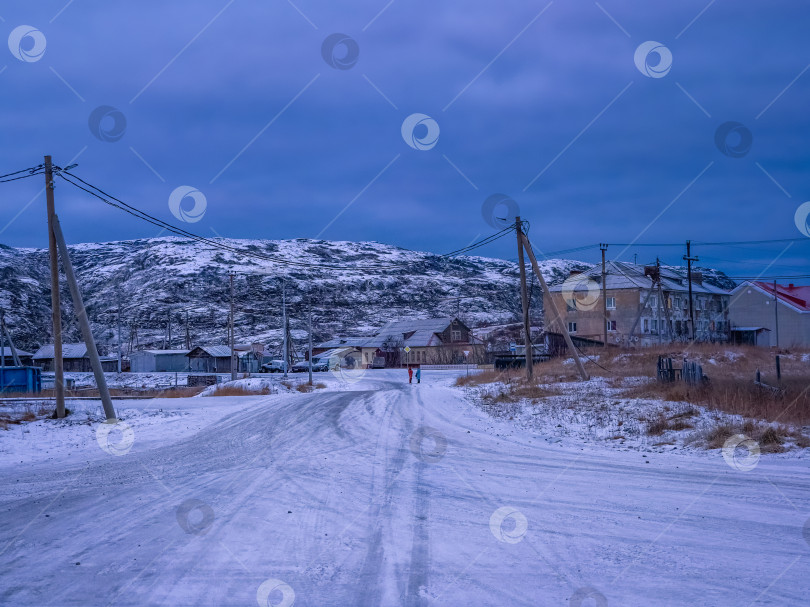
{"type": "Point", "coordinates": [377, 492]}
{"type": "Point", "coordinates": [598, 412]}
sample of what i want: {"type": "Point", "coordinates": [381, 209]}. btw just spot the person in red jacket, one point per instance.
{"type": "Point", "coordinates": [410, 375]}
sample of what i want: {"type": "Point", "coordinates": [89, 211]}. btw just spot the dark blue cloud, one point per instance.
{"type": "Point", "coordinates": [537, 109]}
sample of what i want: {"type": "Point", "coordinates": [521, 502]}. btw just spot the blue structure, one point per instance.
{"type": "Point", "coordinates": [20, 379]}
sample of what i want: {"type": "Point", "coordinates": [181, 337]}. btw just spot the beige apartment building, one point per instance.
{"type": "Point", "coordinates": [645, 305]}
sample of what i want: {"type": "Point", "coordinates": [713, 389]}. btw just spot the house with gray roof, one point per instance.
{"type": "Point", "coordinates": [210, 359]}
{"type": "Point", "coordinates": [74, 359]}
{"type": "Point", "coordinates": [445, 340]}
{"type": "Point", "coordinates": [7, 358]}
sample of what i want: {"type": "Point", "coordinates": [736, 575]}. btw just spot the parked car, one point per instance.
{"type": "Point", "coordinates": [317, 365]}
{"type": "Point", "coordinates": [274, 366]}
{"type": "Point", "coordinates": [379, 362]}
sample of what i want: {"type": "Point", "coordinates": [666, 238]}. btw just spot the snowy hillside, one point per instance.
{"type": "Point", "coordinates": [153, 278]}
{"type": "Point", "coordinates": [156, 278]}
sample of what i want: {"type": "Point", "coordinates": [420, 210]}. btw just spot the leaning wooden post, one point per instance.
{"type": "Point", "coordinates": [524, 299]}
{"type": "Point", "coordinates": [548, 301]}
{"type": "Point", "coordinates": [81, 314]}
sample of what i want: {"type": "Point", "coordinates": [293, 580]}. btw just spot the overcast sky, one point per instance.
{"type": "Point", "coordinates": [546, 103]}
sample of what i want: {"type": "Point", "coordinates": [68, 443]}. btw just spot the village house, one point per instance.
{"type": "Point", "coordinates": [210, 359]}
{"type": "Point", "coordinates": [7, 358]}
{"type": "Point", "coordinates": [74, 359]}
{"type": "Point", "coordinates": [417, 341]}
{"type": "Point", "coordinates": [645, 305]}
{"type": "Point", "coordinates": [755, 307]}
{"type": "Point", "coordinates": [161, 361]}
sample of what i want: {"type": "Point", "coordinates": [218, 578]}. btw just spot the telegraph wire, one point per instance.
{"type": "Point", "coordinates": [37, 170]}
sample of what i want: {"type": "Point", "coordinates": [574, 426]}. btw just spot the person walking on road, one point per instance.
{"type": "Point", "coordinates": [418, 375]}
{"type": "Point", "coordinates": [410, 375]}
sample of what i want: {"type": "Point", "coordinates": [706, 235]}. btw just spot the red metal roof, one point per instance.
{"type": "Point", "coordinates": [796, 296]}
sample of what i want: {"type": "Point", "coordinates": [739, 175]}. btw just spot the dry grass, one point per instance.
{"type": "Point", "coordinates": [662, 423]}
{"type": "Point", "coordinates": [771, 439]}
{"type": "Point", "coordinates": [490, 376]}
{"type": "Point", "coordinates": [790, 405]}
{"type": "Point", "coordinates": [514, 386]}
{"type": "Point", "coordinates": [30, 413]}
{"type": "Point", "coordinates": [238, 391]}
{"type": "Point", "coordinates": [731, 371]}
{"type": "Point", "coordinates": [308, 388]}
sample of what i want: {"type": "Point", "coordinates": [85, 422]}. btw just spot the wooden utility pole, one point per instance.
{"type": "Point", "coordinates": [524, 298]}
{"type": "Point", "coordinates": [233, 345]}
{"type": "Point", "coordinates": [310, 342]}
{"type": "Point", "coordinates": [169, 328]}
{"type": "Point", "coordinates": [776, 313]}
{"type": "Point", "coordinates": [548, 301]}
{"type": "Point", "coordinates": [284, 344]}
{"type": "Point", "coordinates": [118, 332]}
{"type": "Point", "coordinates": [689, 259]}
{"type": "Point", "coordinates": [84, 323]}
{"type": "Point", "coordinates": [188, 334]}
{"type": "Point", "coordinates": [56, 312]}
{"type": "Point", "coordinates": [603, 247]}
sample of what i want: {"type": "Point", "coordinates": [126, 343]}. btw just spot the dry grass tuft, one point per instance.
{"type": "Point", "coordinates": [239, 391]}
{"type": "Point", "coordinates": [308, 388]}
{"type": "Point", "coordinates": [771, 439]}
{"type": "Point", "coordinates": [30, 413]}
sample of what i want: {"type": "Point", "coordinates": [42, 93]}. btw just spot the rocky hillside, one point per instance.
{"type": "Point", "coordinates": [154, 280]}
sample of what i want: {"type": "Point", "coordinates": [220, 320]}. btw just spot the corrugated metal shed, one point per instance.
{"type": "Point", "coordinates": [161, 361]}
{"type": "Point", "coordinates": [217, 351]}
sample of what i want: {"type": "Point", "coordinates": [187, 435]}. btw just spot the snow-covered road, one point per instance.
{"type": "Point", "coordinates": [384, 493]}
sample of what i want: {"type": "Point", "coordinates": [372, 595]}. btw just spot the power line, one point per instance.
{"type": "Point", "coordinates": [37, 170]}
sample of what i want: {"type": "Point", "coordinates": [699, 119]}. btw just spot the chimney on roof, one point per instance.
{"type": "Point", "coordinates": [790, 286]}
{"type": "Point", "coordinates": [574, 273]}
{"type": "Point", "coordinates": [697, 277]}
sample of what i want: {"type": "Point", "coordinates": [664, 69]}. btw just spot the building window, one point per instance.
{"type": "Point", "coordinates": [572, 327]}
{"type": "Point", "coordinates": [611, 325]}
{"type": "Point", "coordinates": [653, 302]}
{"type": "Point", "coordinates": [655, 325]}
{"type": "Point", "coordinates": [611, 303]}
{"type": "Point", "coordinates": [646, 326]}
{"type": "Point", "coordinates": [455, 335]}
{"type": "Point", "coordinates": [571, 304]}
